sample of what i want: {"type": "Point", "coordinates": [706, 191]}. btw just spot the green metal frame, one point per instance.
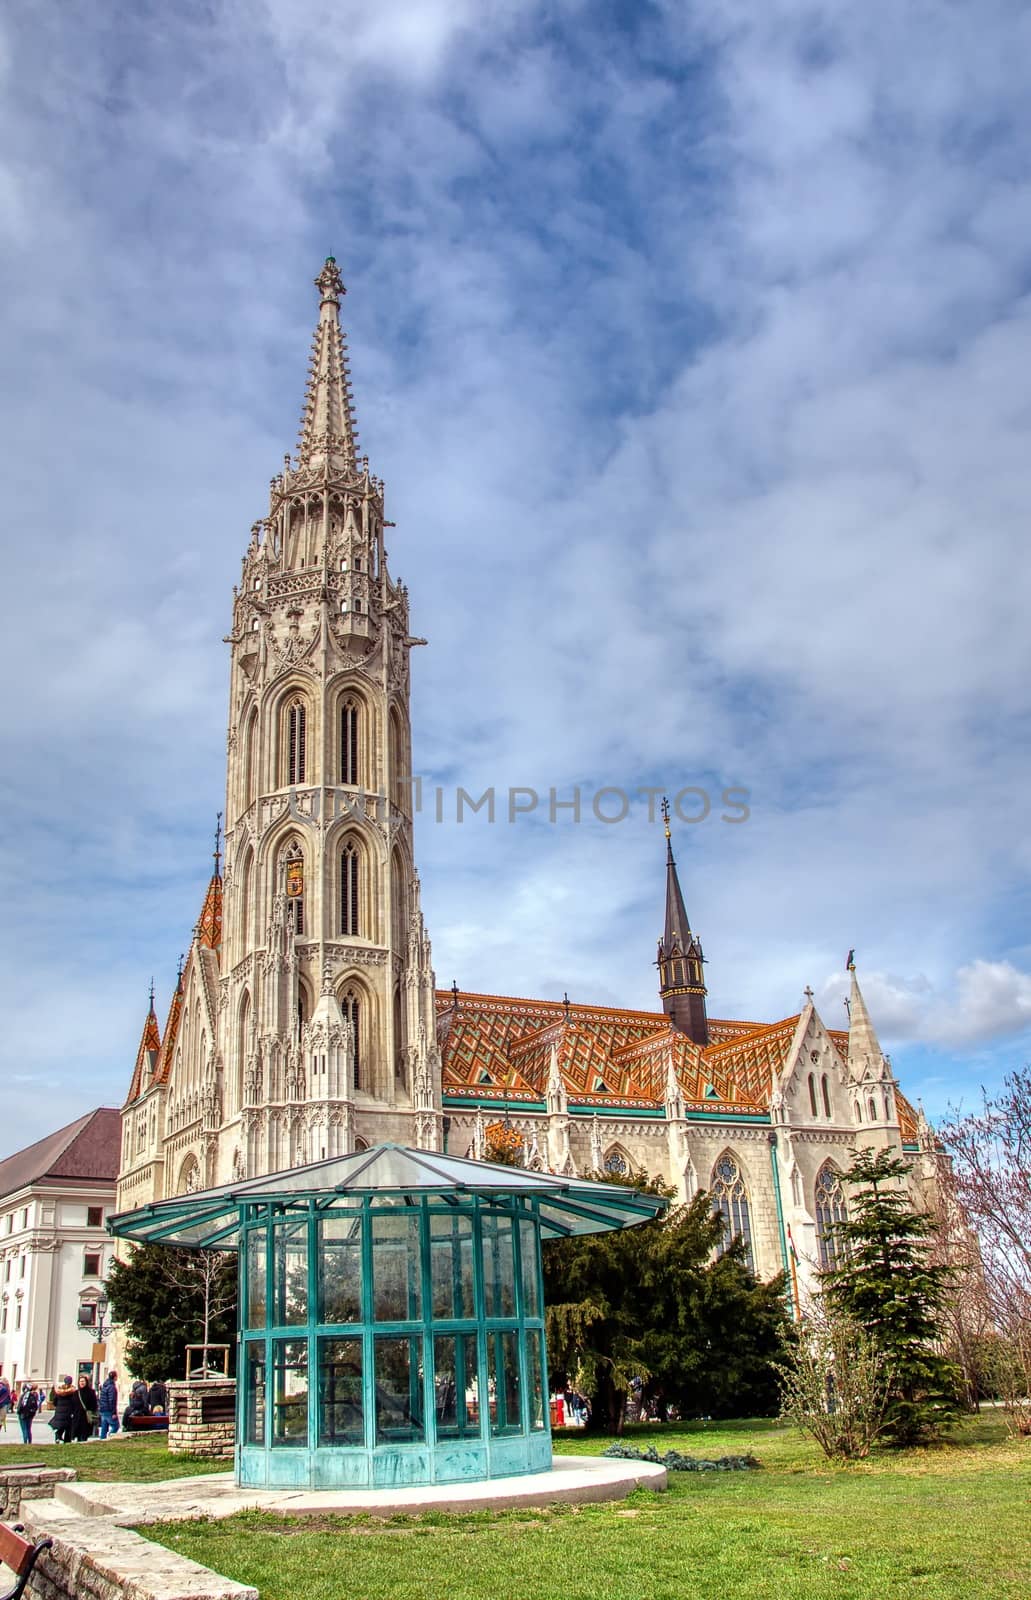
{"type": "Point", "coordinates": [499, 1445]}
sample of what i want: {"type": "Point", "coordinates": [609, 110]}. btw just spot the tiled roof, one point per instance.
{"type": "Point", "coordinates": [86, 1150]}
{"type": "Point", "coordinates": [209, 927]}
{"type": "Point", "coordinates": [501, 1045]}
{"type": "Point", "coordinates": [146, 1055]}
{"type": "Point", "coordinates": [604, 1053]}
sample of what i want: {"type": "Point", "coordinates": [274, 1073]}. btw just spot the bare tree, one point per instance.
{"type": "Point", "coordinates": [837, 1385]}
{"type": "Point", "coordinates": [990, 1151]}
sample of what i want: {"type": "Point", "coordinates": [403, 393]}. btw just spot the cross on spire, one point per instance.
{"type": "Point", "coordinates": [328, 432]}
{"type": "Point", "coordinates": [565, 1005]}
{"type": "Point", "coordinates": [665, 815]}
{"type": "Point", "coordinates": [217, 852]}
{"type": "Point", "coordinates": [454, 994]}
{"type": "Point", "coordinates": [152, 994]}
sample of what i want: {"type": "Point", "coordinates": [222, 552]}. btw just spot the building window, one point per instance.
{"type": "Point", "coordinates": [357, 608]}
{"type": "Point", "coordinates": [91, 1264]}
{"type": "Point", "coordinates": [296, 742]}
{"type": "Point", "coordinates": [87, 1314]}
{"type": "Point", "coordinates": [812, 1093]}
{"type": "Point", "coordinates": [352, 1013]}
{"type": "Point", "coordinates": [730, 1199]}
{"type": "Point", "coordinates": [294, 886]}
{"type": "Point", "coordinates": [25, 1217]}
{"type": "Point", "coordinates": [349, 889]}
{"type": "Point", "coordinates": [830, 1213]}
{"type": "Point", "coordinates": [616, 1162]}
{"type": "Point", "coordinates": [3, 1320]}
{"type": "Point", "coordinates": [17, 1317]}
{"type": "Point", "coordinates": [872, 1107]}
{"type": "Point", "coordinates": [7, 1271]}
{"type": "Point", "coordinates": [94, 1216]}
{"type": "Point", "coordinates": [826, 1096]}
{"type": "Point", "coordinates": [21, 1266]}
{"type": "Point", "coordinates": [349, 742]}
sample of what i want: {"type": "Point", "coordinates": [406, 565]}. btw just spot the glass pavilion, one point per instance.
{"type": "Point", "coordinates": [391, 1312]}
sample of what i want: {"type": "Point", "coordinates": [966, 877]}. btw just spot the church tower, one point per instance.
{"type": "Point", "coordinates": [305, 1023]}
{"type": "Point", "coordinates": [681, 979]}
{"type": "Point", "coordinates": [330, 1034]}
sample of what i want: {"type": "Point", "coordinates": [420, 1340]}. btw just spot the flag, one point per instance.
{"type": "Point", "coordinates": [791, 1247]}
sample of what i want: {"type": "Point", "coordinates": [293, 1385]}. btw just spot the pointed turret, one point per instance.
{"type": "Point", "coordinates": [328, 432]}
{"type": "Point", "coordinates": [147, 1054]}
{"type": "Point", "coordinates": [681, 979]}
{"type": "Point", "coordinates": [865, 1056]}
{"type": "Point", "coordinates": [209, 925]}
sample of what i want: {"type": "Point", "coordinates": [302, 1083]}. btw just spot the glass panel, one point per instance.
{"type": "Point", "coordinates": [498, 1266]}
{"type": "Point", "coordinates": [341, 1413]}
{"type": "Point", "coordinates": [290, 1273]}
{"type": "Point", "coordinates": [456, 1392]}
{"type": "Point", "coordinates": [255, 1423]}
{"type": "Point", "coordinates": [503, 1382]}
{"type": "Point", "coordinates": [340, 1268]}
{"type": "Point", "coordinates": [290, 1392]}
{"type": "Point", "coordinates": [528, 1261]}
{"type": "Point", "coordinates": [399, 1408]}
{"type": "Point", "coordinates": [534, 1379]}
{"type": "Point", "coordinates": [396, 1268]}
{"type": "Point", "coordinates": [257, 1287]}
{"type": "Point", "coordinates": [451, 1259]}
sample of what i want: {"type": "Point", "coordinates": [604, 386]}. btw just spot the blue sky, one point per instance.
{"type": "Point", "coordinates": [694, 347]}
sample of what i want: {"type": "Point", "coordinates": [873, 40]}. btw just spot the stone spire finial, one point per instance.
{"type": "Point", "coordinates": [328, 432]}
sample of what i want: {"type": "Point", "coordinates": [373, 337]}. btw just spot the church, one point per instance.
{"type": "Point", "coordinates": [305, 1021]}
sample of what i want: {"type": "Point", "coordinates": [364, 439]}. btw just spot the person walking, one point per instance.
{"type": "Point", "coordinates": [6, 1399]}
{"type": "Point", "coordinates": [28, 1405]}
{"type": "Point", "coordinates": [63, 1420]}
{"type": "Point", "coordinates": [86, 1420]}
{"type": "Point", "coordinates": [108, 1401]}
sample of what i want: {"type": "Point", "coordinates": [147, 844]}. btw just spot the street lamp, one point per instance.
{"type": "Point", "coordinates": [93, 1309]}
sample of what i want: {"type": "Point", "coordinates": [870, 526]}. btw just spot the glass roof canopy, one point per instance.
{"type": "Point", "coordinates": [209, 1219]}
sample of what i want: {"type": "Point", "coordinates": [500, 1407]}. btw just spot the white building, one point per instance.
{"type": "Point", "coordinates": [55, 1198]}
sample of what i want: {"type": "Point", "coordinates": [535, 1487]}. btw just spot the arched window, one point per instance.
{"type": "Point", "coordinates": [293, 887]}
{"type": "Point", "coordinates": [303, 1009]}
{"type": "Point", "coordinates": [296, 742]}
{"type": "Point", "coordinates": [189, 1176]}
{"type": "Point", "coordinates": [830, 1211]}
{"type": "Point", "coordinates": [616, 1163]}
{"type": "Point", "coordinates": [398, 902]}
{"type": "Point", "coordinates": [246, 880]}
{"type": "Point", "coordinates": [399, 1037]}
{"type": "Point", "coordinates": [400, 776]}
{"type": "Point", "coordinates": [349, 742]}
{"type": "Point", "coordinates": [242, 1045]}
{"type": "Point", "coordinates": [826, 1095]}
{"type": "Point", "coordinates": [871, 1105]}
{"type": "Point", "coordinates": [349, 883]}
{"type": "Point", "coordinates": [812, 1093]}
{"type": "Point", "coordinates": [730, 1199]}
{"type": "Point", "coordinates": [353, 1014]}
{"type": "Point", "coordinates": [250, 758]}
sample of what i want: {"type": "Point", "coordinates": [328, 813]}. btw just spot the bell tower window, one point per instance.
{"type": "Point", "coordinates": [349, 867]}
{"type": "Point", "coordinates": [349, 743]}
{"type": "Point", "coordinates": [296, 742]}
{"type": "Point", "coordinates": [294, 886]}
{"type": "Point", "coordinates": [352, 1014]}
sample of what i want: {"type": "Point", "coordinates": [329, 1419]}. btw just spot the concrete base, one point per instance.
{"type": "Point", "coordinates": [575, 1480]}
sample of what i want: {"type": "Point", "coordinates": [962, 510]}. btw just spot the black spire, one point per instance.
{"type": "Point", "coordinates": [681, 980]}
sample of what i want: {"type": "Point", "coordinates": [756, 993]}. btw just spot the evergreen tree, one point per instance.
{"type": "Point", "coordinates": [887, 1284]}
{"type": "Point", "coordinates": [704, 1335]}
{"type": "Point", "coordinates": [167, 1298]}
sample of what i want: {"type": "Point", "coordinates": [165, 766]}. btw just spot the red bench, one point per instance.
{"type": "Point", "coordinates": [145, 1422]}
{"type": "Point", "coordinates": [21, 1556]}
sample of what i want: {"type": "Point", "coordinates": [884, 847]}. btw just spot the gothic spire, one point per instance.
{"type": "Point", "coordinates": [328, 432]}
{"type": "Point", "coordinates": [865, 1056]}
{"type": "Point", "coordinates": [681, 980]}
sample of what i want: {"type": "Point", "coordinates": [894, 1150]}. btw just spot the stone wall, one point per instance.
{"type": "Point", "coordinates": [94, 1559]}
{"type": "Point", "coordinates": [202, 1418]}
{"type": "Point", "coordinates": [28, 1482]}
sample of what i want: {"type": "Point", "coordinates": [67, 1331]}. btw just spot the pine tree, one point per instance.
{"type": "Point", "coordinates": [887, 1284]}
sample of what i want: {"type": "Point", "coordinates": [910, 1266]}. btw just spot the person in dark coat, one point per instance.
{"type": "Point", "coordinates": [139, 1404]}
{"type": "Point", "coordinates": [28, 1405]}
{"type": "Point", "coordinates": [66, 1405]}
{"type": "Point", "coordinates": [158, 1396]}
{"type": "Point", "coordinates": [88, 1407]}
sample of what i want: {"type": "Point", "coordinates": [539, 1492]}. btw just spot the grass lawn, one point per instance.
{"type": "Point", "coordinates": [118, 1460]}
{"type": "Point", "coordinates": [945, 1523]}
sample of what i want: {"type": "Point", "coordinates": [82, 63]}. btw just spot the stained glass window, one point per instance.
{"type": "Point", "coordinates": [830, 1212]}
{"type": "Point", "coordinates": [730, 1199]}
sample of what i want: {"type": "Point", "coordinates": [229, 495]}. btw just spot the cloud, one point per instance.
{"type": "Point", "coordinates": [693, 349]}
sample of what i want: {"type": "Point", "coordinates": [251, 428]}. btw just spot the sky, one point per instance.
{"type": "Point", "coordinates": [694, 346]}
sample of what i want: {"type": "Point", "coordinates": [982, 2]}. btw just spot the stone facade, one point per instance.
{"type": "Point", "coordinates": [305, 1022]}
